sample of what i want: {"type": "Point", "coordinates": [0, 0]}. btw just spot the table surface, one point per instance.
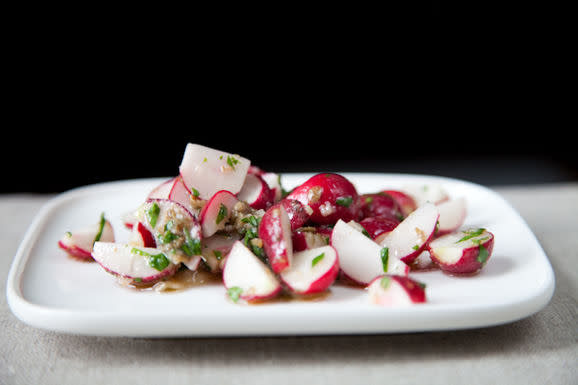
{"type": "Point", "coordinates": [540, 349]}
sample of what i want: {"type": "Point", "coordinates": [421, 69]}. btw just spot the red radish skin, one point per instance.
{"type": "Point", "coordinates": [256, 192]}
{"type": "Point", "coordinates": [181, 194]}
{"type": "Point", "coordinates": [329, 196]}
{"type": "Point", "coordinates": [379, 204]}
{"type": "Point", "coordinates": [275, 232]}
{"type": "Point", "coordinates": [76, 252]}
{"type": "Point", "coordinates": [141, 236]}
{"type": "Point", "coordinates": [245, 272]}
{"type": "Point", "coordinates": [396, 290]}
{"type": "Point", "coordinates": [376, 226]}
{"type": "Point", "coordinates": [297, 213]}
{"type": "Point", "coordinates": [210, 219]}
{"type": "Point", "coordinates": [457, 257]}
{"type": "Point", "coordinates": [310, 237]}
{"type": "Point", "coordinates": [405, 202]}
{"type": "Point", "coordinates": [313, 271]}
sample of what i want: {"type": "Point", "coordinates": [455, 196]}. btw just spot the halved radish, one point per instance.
{"type": "Point", "coordinates": [216, 248]}
{"type": "Point", "coordinates": [429, 192]}
{"type": "Point", "coordinates": [275, 233]}
{"type": "Point", "coordinates": [256, 192]}
{"type": "Point", "coordinates": [360, 258]}
{"type": "Point", "coordinates": [141, 236]}
{"type": "Point", "coordinates": [313, 270]}
{"type": "Point", "coordinates": [298, 215]}
{"type": "Point", "coordinates": [273, 180]}
{"type": "Point", "coordinates": [329, 196]}
{"type": "Point", "coordinates": [208, 170]}
{"type": "Point", "coordinates": [79, 243]}
{"type": "Point", "coordinates": [395, 290]}
{"type": "Point", "coordinates": [463, 252]}
{"type": "Point", "coordinates": [176, 231]}
{"type": "Point", "coordinates": [410, 237]}
{"type": "Point", "coordinates": [246, 277]}
{"type": "Point", "coordinates": [216, 212]}
{"type": "Point", "coordinates": [452, 215]}
{"type": "Point", "coordinates": [405, 202]}
{"type": "Point", "coordinates": [139, 264]}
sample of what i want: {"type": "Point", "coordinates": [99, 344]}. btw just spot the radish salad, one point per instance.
{"type": "Point", "coordinates": [227, 220]}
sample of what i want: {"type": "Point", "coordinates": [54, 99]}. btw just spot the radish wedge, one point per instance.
{"type": "Point", "coordinates": [140, 236]}
{"type": "Point", "coordinates": [216, 212]}
{"type": "Point", "coordinates": [313, 270]}
{"type": "Point", "coordinates": [275, 233]}
{"type": "Point", "coordinates": [360, 258]}
{"type": "Point", "coordinates": [215, 250]}
{"type": "Point", "coordinates": [162, 191]}
{"type": "Point", "coordinates": [410, 237]}
{"type": "Point", "coordinates": [452, 216]}
{"type": "Point", "coordinates": [246, 277]}
{"type": "Point", "coordinates": [256, 192]}
{"type": "Point", "coordinates": [139, 264]}
{"type": "Point", "coordinates": [207, 170]}
{"type": "Point", "coordinates": [463, 252]}
{"type": "Point", "coordinates": [79, 244]}
{"type": "Point", "coordinates": [395, 290]}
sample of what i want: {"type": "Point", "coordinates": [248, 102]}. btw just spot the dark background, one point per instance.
{"type": "Point", "coordinates": [456, 92]}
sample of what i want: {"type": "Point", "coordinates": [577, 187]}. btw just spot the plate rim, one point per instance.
{"type": "Point", "coordinates": [60, 319]}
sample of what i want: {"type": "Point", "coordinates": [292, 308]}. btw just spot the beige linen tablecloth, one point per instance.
{"type": "Point", "coordinates": [541, 349]}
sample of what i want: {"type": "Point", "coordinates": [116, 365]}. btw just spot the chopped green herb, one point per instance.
{"type": "Point", "coordinates": [421, 284]}
{"type": "Point", "coordinates": [344, 201]}
{"type": "Point", "coordinates": [195, 192]}
{"type": "Point", "coordinates": [368, 200]}
{"type": "Point", "coordinates": [470, 234]}
{"type": "Point", "coordinates": [137, 279]}
{"type": "Point", "coordinates": [192, 246]}
{"type": "Point", "coordinates": [385, 258]}
{"type": "Point", "coordinates": [156, 261]}
{"type": "Point", "coordinates": [167, 237]}
{"type": "Point", "coordinates": [385, 282]}
{"type": "Point", "coordinates": [232, 161]}
{"type": "Point", "coordinates": [218, 254]}
{"type": "Point", "coordinates": [153, 214]}
{"type": "Point", "coordinates": [416, 247]}
{"type": "Point", "coordinates": [364, 232]}
{"type": "Point", "coordinates": [252, 220]}
{"type": "Point", "coordinates": [221, 214]}
{"type": "Point", "coordinates": [204, 159]}
{"type": "Point", "coordinates": [100, 228]}
{"type": "Point", "coordinates": [68, 234]}
{"type": "Point", "coordinates": [235, 293]}
{"type": "Point", "coordinates": [316, 260]}
{"type": "Point", "coordinates": [483, 255]}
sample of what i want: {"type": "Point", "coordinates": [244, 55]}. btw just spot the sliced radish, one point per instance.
{"type": "Point", "coordinates": [430, 192]}
{"type": "Point", "coordinates": [79, 243]}
{"type": "Point", "coordinates": [395, 290]}
{"type": "Point", "coordinates": [215, 249]}
{"type": "Point", "coordinates": [181, 194]}
{"type": "Point", "coordinates": [275, 233]}
{"type": "Point", "coordinates": [216, 212]}
{"type": "Point", "coordinates": [452, 215]}
{"type": "Point", "coordinates": [298, 215]}
{"type": "Point", "coordinates": [410, 237]}
{"type": "Point", "coordinates": [273, 180]}
{"type": "Point", "coordinates": [313, 270]}
{"type": "Point", "coordinates": [405, 202]}
{"type": "Point", "coordinates": [256, 192]}
{"type": "Point", "coordinates": [208, 170]}
{"type": "Point", "coordinates": [141, 236]}
{"type": "Point", "coordinates": [246, 277]}
{"type": "Point", "coordinates": [176, 231]}
{"type": "Point", "coordinates": [380, 204]}
{"type": "Point", "coordinates": [360, 258]}
{"type": "Point", "coordinates": [139, 264]}
{"type": "Point", "coordinates": [162, 191]}
{"type": "Point", "coordinates": [463, 252]}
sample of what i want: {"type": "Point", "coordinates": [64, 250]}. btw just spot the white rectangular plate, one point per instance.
{"type": "Point", "coordinates": [47, 289]}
